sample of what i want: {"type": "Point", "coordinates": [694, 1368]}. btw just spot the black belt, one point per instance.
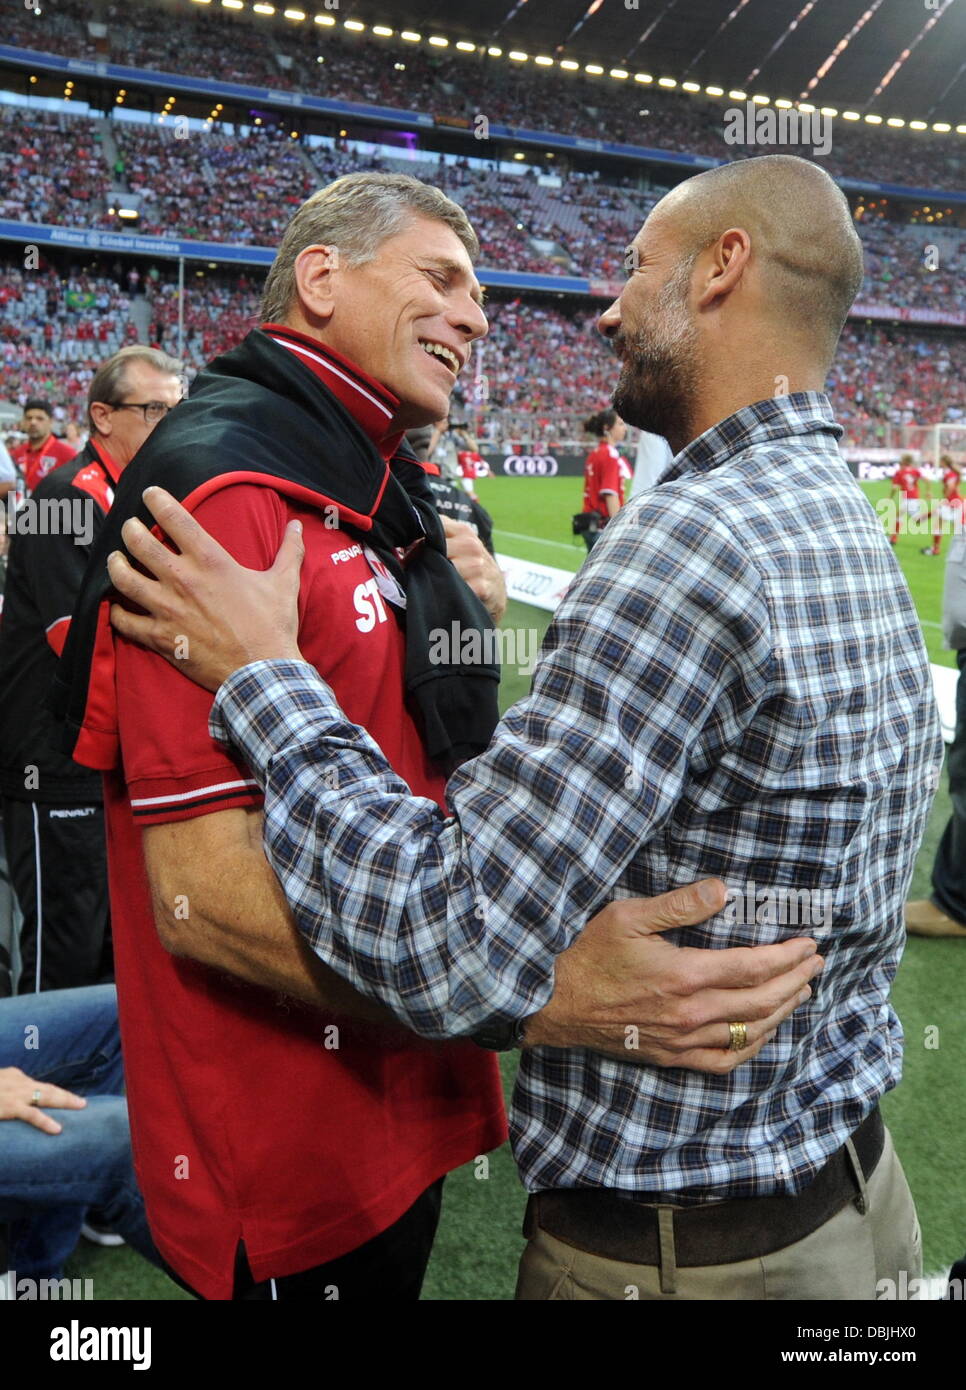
{"type": "Point", "coordinates": [602, 1222]}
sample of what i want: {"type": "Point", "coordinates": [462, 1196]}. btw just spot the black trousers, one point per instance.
{"type": "Point", "coordinates": [388, 1268]}
{"type": "Point", "coordinates": [949, 869]}
{"type": "Point", "coordinates": [57, 861]}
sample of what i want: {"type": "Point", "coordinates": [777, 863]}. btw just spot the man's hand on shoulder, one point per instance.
{"type": "Point", "coordinates": [622, 990]}
{"type": "Point", "coordinates": [204, 612]}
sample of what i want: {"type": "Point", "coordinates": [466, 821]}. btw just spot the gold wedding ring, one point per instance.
{"type": "Point", "coordinates": [739, 1037]}
{"type": "Point", "coordinates": [35, 1098]}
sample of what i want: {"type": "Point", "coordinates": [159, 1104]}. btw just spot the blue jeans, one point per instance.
{"type": "Point", "coordinates": [69, 1038]}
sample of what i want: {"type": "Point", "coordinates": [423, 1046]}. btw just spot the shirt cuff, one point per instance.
{"type": "Point", "coordinates": [262, 706]}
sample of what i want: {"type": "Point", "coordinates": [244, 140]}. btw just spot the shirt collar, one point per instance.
{"type": "Point", "coordinates": [40, 447]}
{"type": "Point", "coordinates": [368, 401]}
{"type": "Point", "coordinates": [105, 459]}
{"type": "Point", "coordinates": [776, 417]}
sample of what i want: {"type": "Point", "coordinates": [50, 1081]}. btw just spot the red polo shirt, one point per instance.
{"type": "Point", "coordinates": [36, 463]}
{"type": "Point", "coordinates": [247, 1123]}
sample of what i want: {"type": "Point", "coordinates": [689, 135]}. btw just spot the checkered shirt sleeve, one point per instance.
{"type": "Point", "coordinates": [735, 684]}
{"type": "Point", "coordinates": [454, 922]}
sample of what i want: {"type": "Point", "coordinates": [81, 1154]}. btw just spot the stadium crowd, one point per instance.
{"type": "Point", "coordinates": [890, 376]}
{"type": "Point", "coordinates": [218, 313]}
{"type": "Point", "coordinates": [55, 331]}
{"type": "Point", "coordinates": [51, 168]}
{"type": "Point", "coordinates": [242, 188]}
{"type": "Point", "coordinates": [901, 269]}
{"type": "Point", "coordinates": [276, 55]}
{"type": "Point", "coordinates": [543, 366]}
{"type": "Point", "coordinates": [213, 187]}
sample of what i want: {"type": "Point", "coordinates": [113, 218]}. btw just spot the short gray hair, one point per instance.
{"type": "Point", "coordinates": [109, 382]}
{"type": "Point", "coordinates": [356, 214]}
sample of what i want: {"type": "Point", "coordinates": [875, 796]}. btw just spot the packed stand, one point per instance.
{"type": "Point", "coordinates": [538, 361]}
{"type": "Point", "coordinates": [58, 26]}
{"type": "Point", "coordinates": [218, 313]}
{"type": "Point", "coordinates": [364, 70]}
{"type": "Point", "coordinates": [501, 209]}
{"type": "Point", "coordinates": [54, 331]}
{"type": "Point", "coordinates": [902, 271]}
{"type": "Point", "coordinates": [213, 187]}
{"type": "Point", "coordinates": [544, 368]}
{"type": "Point", "coordinates": [890, 377]}
{"type": "Point", "coordinates": [243, 189]}
{"type": "Point", "coordinates": [51, 168]}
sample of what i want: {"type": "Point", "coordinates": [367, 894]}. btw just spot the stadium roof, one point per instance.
{"type": "Point", "coordinates": [902, 58]}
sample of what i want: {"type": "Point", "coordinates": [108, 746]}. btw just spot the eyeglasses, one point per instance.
{"type": "Point", "coordinates": [153, 410]}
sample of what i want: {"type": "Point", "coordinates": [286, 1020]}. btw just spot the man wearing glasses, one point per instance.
{"type": "Point", "coordinates": [53, 818]}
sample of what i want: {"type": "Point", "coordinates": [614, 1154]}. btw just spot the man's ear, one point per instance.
{"type": "Point", "coordinates": [103, 417]}
{"type": "Point", "coordinates": [729, 258]}
{"type": "Point", "coordinates": [316, 269]}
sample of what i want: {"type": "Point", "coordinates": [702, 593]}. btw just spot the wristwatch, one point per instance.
{"type": "Point", "coordinates": [501, 1037]}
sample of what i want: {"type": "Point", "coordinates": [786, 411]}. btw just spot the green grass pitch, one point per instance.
{"type": "Point", "coordinates": [479, 1240]}
{"type": "Point", "coordinates": [532, 517]}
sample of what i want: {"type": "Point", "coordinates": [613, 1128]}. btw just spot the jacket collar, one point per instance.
{"type": "Point", "coordinates": [370, 403]}
{"type": "Point", "coordinates": [100, 453]}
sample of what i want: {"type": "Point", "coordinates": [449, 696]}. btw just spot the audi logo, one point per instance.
{"type": "Point", "coordinates": [530, 465]}
{"type": "Point", "coordinates": [532, 583]}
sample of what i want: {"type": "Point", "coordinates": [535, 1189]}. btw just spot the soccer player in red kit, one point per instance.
{"type": "Point", "coordinates": [951, 506]}
{"type": "Point", "coordinates": [469, 461]}
{"type": "Point", "coordinates": [42, 452]}
{"type": "Point", "coordinates": [905, 481]}
{"type": "Point", "coordinates": [603, 478]}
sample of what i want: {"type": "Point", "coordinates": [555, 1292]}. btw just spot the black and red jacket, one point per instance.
{"type": "Point", "coordinates": [254, 415]}
{"type": "Point", "coordinates": [44, 577]}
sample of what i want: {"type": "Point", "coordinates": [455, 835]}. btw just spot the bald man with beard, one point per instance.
{"type": "Point", "coordinates": [734, 685]}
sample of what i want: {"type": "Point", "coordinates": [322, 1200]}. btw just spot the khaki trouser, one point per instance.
{"type": "Point", "coordinates": [844, 1259]}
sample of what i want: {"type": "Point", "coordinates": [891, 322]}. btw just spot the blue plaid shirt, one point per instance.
{"type": "Point", "coordinates": [735, 684]}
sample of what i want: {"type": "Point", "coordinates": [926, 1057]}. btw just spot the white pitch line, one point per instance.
{"type": "Point", "coordinates": [534, 540]}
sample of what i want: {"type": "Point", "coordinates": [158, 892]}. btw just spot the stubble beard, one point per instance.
{"type": "Point", "coordinates": [657, 389]}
